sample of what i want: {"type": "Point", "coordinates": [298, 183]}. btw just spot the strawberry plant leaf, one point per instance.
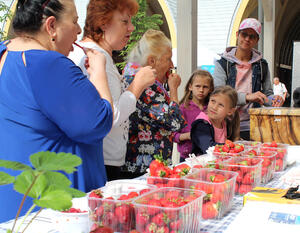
{"type": "Point", "coordinates": [24, 181]}
{"type": "Point", "coordinates": [51, 161]}
{"type": "Point", "coordinates": [14, 165]}
{"type": "Point", "coordinates": [6, 178]}
{"type": "Point", "coordinates": [57, 179]}
{"type": "Point", "coordinates": [75, 192]}
{"type": "Point", "coordinates": [50, 200]}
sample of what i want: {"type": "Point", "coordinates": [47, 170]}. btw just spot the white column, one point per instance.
{"type": "Point", "coordinates": [186, 40]}
{"type": "Point", "coordinates": [269, 34]}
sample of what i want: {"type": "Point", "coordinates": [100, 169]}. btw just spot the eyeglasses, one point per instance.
{"type": "Point", "coordinates": [251, 36]}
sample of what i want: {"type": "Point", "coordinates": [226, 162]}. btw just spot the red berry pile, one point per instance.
{"type": "Point", "coordinates": [163, 176]}
{"type": "Point", "coordinates": [249, 172]}
{"type": "Point", "coordinates": [111, 213]}
{"type": "Point", "coordinates": [268, 164]}
{"type": "Point", "coordinates": [74, 210]}
{"type": "Point", "coordinates": [218, 186]}
{"type": "Point", "coordinates": [166, 209]}
{"type": "Point", "coordinates": [228, 148]}
{"type": "Point", "coordinates": [281, 156]}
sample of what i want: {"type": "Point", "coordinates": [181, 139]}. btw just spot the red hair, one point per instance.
{"type": "Point", "coordinates": [100, 12]}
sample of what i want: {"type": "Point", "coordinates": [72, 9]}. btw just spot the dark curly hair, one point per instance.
{"type": "Point", "coordinates": [100, 12]}
{"type": "Point", "coordinates": [30, 14]}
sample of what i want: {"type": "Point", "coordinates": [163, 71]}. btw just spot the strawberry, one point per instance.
{"type": "Point", "coordinates": [123, 197]}
{"type": "Point", "coordinates": [161, 219]}
{"type": "Point", "coordinates": [176, 225]}
{"type": "Point", "coordinates": [141, 219]}
{"type": "Point", "coordinates": [273, 144]}
{"type": "Point", "coordinates": [151, 228]}
{"type": "Point", "coordinates": [172, 195]}
{"type": "Point", "coordinates": [229, 143]}
{"type": "Point", "coordinates": [240, 176]}
{"type": "Point", "coordinates": [153, 210]}
{"type": "Point", "coordinates": [182, 169]}
{"type": "Point", "coordinates": [144, 191]}
{"type": "Point", "coordinates": [218, 178]}
{"type": "Point", "coordinates": [132, 195]}
{"type": "Point", "coordinates": [122, 213]}
{"type": "Point", "coordinates": [279, 165]}
{"type": "Point", "coordinates": [244, 188]}
{"type": "Point", "coordinates": [97, 193]}
{"type": "Point", "coordinates": [266, 162]}
{"type": "Point", "coordinates": [252, 152]}
{"type": "Point", "coordinates": [161, 172]}
{"type": "Point", "coordinates": [102, 229]}
{"type": "Point", "coordinates": [162, 229]}
{"type": "Point", "coordinates": [209, 210]}
{"type": "Point", "coordinates": [248, 178]}
{"type": "Point", "coordinates": [198, 166]}
{"type": "Point", "coordinates": [93, 196]}
{"type": "Point", "coordinates": [156, 163]}
{"type": "Point", "coordinates": [225, 148]}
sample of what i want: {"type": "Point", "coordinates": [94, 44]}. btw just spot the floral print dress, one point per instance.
{"type": "Point", "coordinates": [152, 125]}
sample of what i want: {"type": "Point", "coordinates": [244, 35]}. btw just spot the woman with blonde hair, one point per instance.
{"type": "Point", "coordinates": [157, 116]}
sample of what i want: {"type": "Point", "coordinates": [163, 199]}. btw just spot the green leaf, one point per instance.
{"type": "Point", "coordinates": [75, 192]}
{"type": "Point", "coordinates": [51, 161]}
{"type": "Point", "coordinates": [24, 181]}
{"type": "Point", "coordinates": [17, 166]}
{"type": "Point", "coordinates": [57, 179]}
{"type": "Point", "coordinates": [6, 178]}
{"type": "Point", "coordinates": [55, 199]}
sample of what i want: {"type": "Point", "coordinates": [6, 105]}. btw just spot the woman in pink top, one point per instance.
{"type": "Point", "coordinates": [197, 91]}
{"type": "Point", "coordinates": [221, 121]}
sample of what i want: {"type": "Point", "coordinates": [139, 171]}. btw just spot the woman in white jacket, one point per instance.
{"type": "Point", "coordinates": [107, 28]}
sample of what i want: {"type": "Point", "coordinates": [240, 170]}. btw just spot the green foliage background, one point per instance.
{"type": "Point", "coordinates": [142, 22]}
{"type": "Point", "coordinates": [4, 15]}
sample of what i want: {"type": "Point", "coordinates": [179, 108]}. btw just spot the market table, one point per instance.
{"type": "Point", "coordinates": [43, 224]}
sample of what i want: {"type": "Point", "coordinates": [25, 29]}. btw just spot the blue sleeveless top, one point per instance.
{"type": "Point", "coordinates": [48, 104]}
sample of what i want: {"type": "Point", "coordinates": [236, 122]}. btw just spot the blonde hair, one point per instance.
{"type": "Point", "coordinates": [188, 95]}
{"type": "Point", "coordinates": [153, 42]}
{"type": "Point", "coordinates": [233, 122]}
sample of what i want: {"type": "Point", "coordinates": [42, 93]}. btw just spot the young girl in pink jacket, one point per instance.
{"type": "Point", "coordinates": [195, 100]}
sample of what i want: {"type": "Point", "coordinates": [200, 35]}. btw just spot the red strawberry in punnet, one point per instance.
{"type": "Point", "coordinates": [102, 229]}
{"type": "Point", "coordinates": [209, 210]}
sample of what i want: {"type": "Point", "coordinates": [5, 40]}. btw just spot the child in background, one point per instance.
{"type": "Point", "coordinates": [221, 121]}
{"type": "Point", "coordinates": [195, 100]}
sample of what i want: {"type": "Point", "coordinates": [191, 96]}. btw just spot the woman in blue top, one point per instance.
{"type": "Point", "coordinates": [46, 103]}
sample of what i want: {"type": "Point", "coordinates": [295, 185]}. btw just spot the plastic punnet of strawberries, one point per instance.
{"type": "Point", "coordinates": [169, 210]}
{"type": "Point", "coordinates": [281, 153]}
{"type": "Point", "coordinates": [229, 148]}
{"type": "Point", "coordinates": [112, 213]}
{"type": "Point", "coordinates": [162, 175]}
{"type": "Point", "coordinates": [219, 188]}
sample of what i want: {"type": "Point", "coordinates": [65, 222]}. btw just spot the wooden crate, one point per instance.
{"type": "Point", "coordinates": [279, 124]}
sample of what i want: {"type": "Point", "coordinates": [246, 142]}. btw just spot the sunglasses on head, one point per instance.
{"type": "Point", "coordinates": [251, 36]}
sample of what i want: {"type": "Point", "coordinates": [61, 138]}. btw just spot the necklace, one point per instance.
{"type": "Point", "coordinates": [25, 37]}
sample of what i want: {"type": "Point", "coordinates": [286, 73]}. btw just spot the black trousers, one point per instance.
{"type": "Point", "coordinates": [112, 172]}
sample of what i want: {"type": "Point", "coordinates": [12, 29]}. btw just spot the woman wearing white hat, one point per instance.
{"type": "Point", "coordinates": [243, 68]}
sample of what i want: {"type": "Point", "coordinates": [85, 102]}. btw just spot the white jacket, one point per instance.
{"type": "Point", "coordinates": [115, 143]}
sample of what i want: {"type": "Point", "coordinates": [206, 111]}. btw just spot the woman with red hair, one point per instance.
{"type": "Point", "coordinates": [107, 28]}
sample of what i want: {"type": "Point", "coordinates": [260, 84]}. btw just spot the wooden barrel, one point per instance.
{"type": "Point", "coordinates": [279, 124]}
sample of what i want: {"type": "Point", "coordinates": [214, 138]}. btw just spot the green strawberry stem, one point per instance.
{"type": "Point", "coordinates": [39, 211]}
{"type": "Point", "coordinates": [22, 203]}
